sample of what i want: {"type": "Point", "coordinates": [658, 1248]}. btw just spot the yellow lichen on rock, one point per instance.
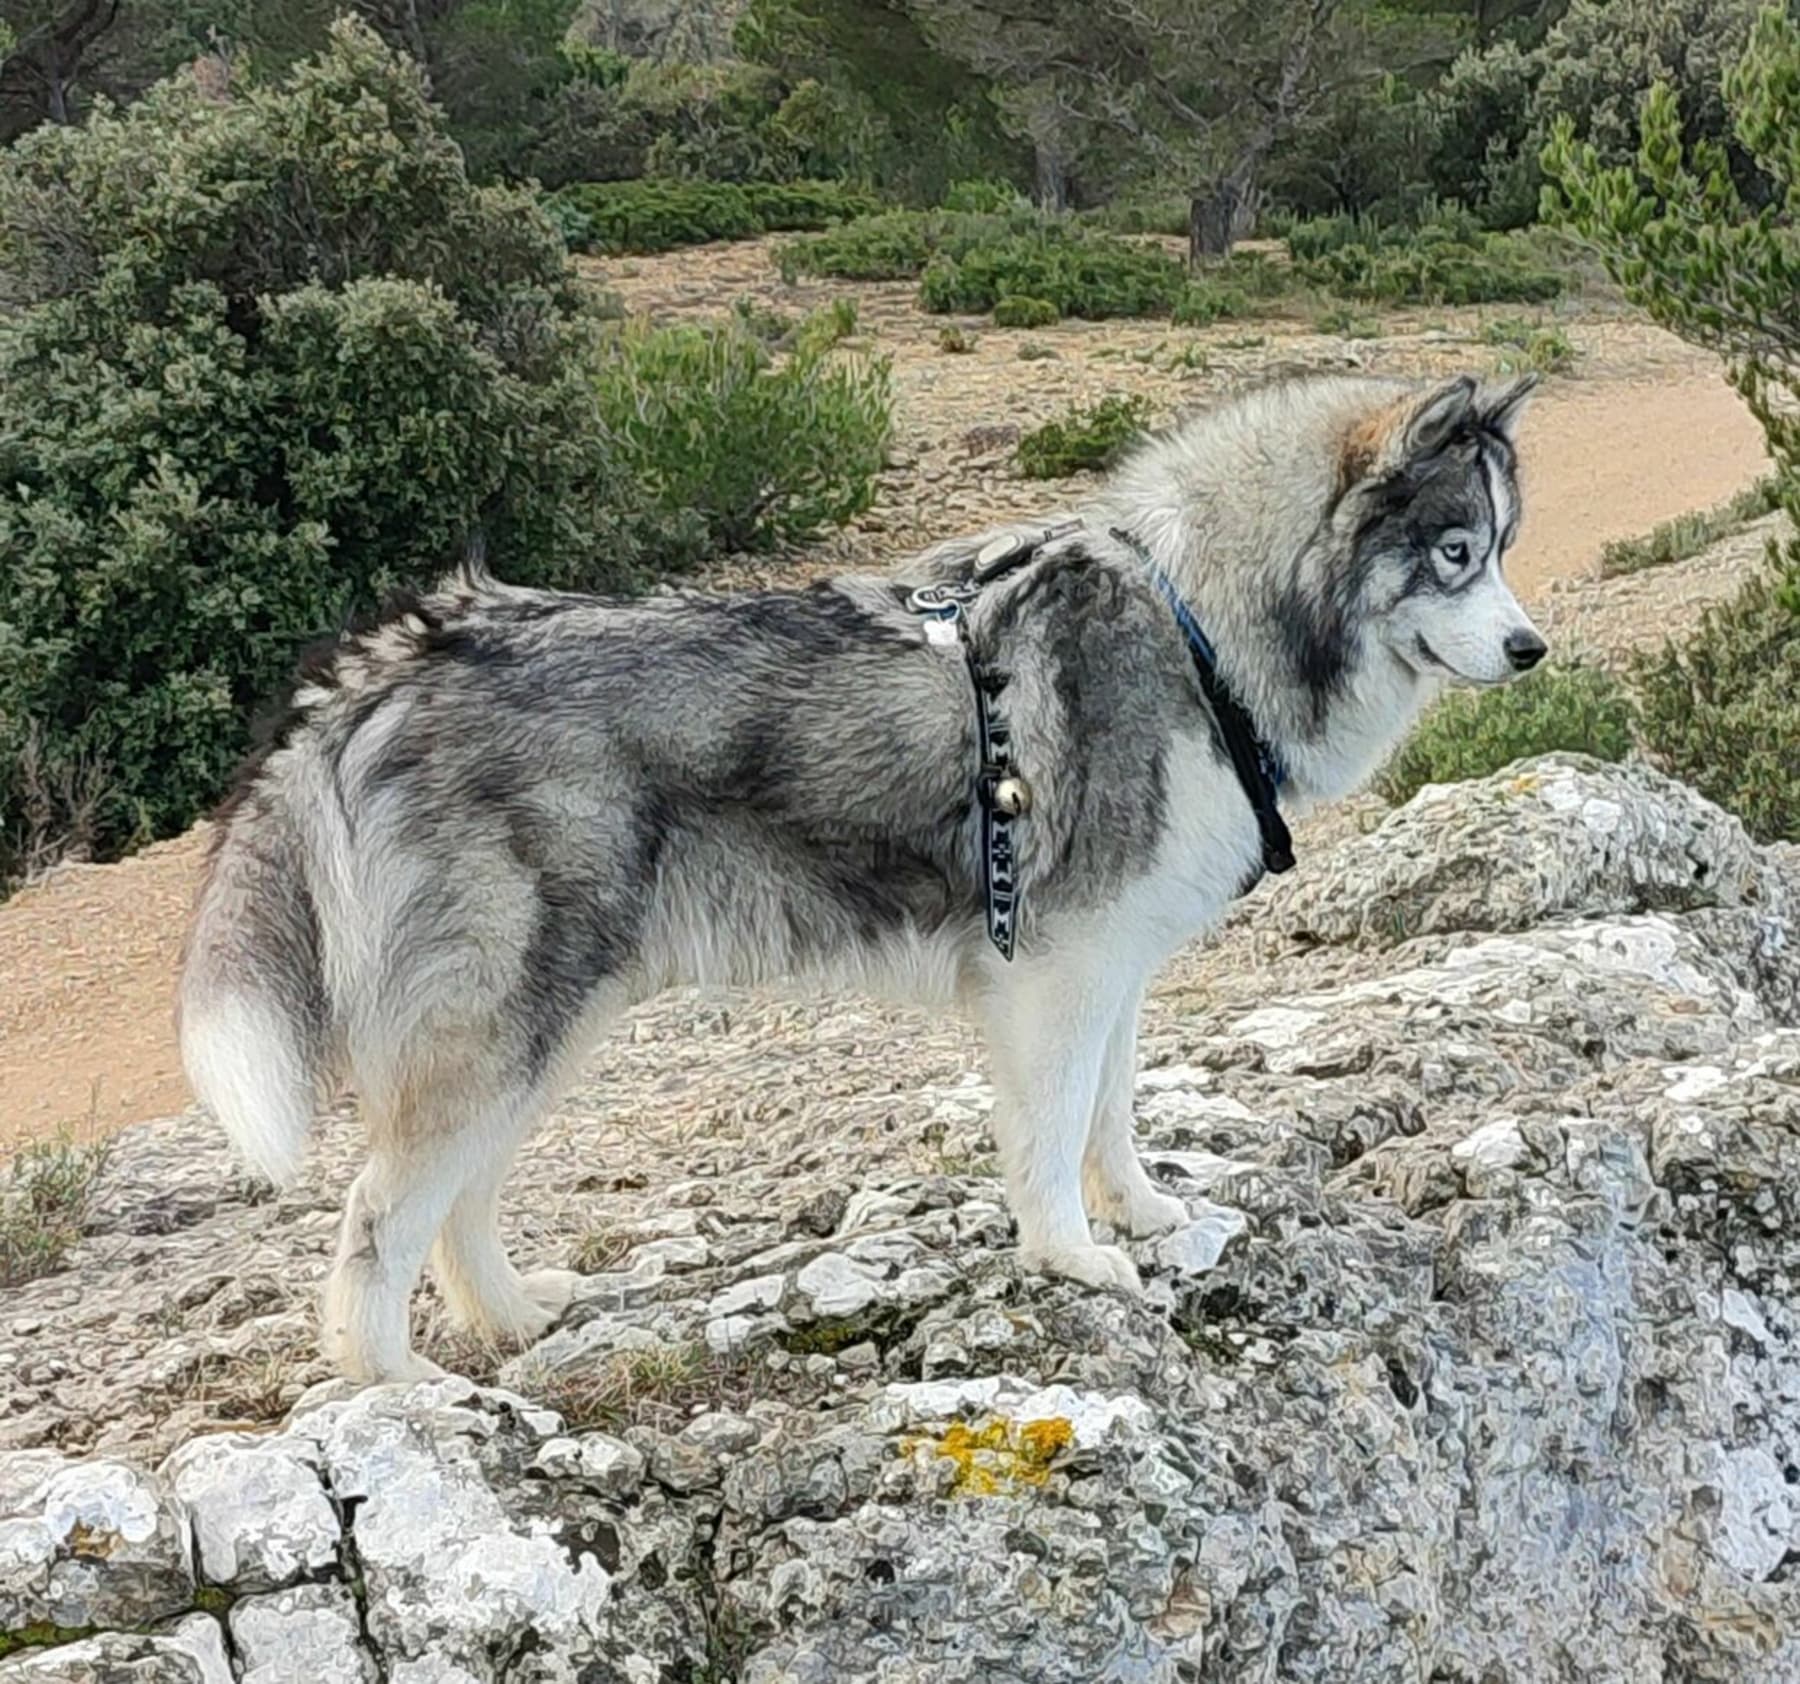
{"type": "Point", "coordinates": [1000, 1457]}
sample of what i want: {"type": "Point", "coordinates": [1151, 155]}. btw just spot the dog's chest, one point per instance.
{"type": "Point", "coordinates": [1210, 850]}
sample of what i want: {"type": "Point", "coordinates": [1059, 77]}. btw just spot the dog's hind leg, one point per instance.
{"type": "Point", "coordinates": [1047, 1030]}
{"type": "Point", "coordinates": [481, 1288]}
{"type": "Point", "coordinates": [395, 1208]}
{"type": "Point", "coordinates": [1113, 1181]}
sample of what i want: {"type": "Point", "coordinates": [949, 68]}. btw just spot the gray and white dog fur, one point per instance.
{"type": "Point", "coordinates": [499, 817]}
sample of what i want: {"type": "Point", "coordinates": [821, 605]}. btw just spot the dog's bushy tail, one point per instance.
{"type": "Point", "coordinates": [251, 1008]}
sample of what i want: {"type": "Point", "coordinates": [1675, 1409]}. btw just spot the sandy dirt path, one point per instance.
{"type": "Point", "coordinates": [88, 956]}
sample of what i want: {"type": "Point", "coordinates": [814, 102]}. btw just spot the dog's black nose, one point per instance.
{"type": "Point", "coordinates": [1525, 649]}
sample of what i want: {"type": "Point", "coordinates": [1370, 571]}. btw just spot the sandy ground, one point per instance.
{"type": "Point", "coordinates": [1645, 430]}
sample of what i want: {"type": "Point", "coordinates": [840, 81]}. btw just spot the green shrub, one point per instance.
{"type": "Point", "coordinates": [1311, 238]}
{"type": "Point", "coordinates": [1084, 438]}
{"type": "Point", "coordinates": [1143, 213]}
{"type": "Point", "coordinates": [652, 215]}
{"type": "Point", "coordinates": [790, 206]}
{"type": "Point", "coordinates": [1543, 350]}
{"type": "Point", "coordinates": [1091, 276]}
{"type": "Point", "coordinates": [1347, 323]}
{"type": "Point", "coordinates": [968, 261]}
{"type": "Point", "coordinates": [1446, 259]}
{"type": "Point", "coordinates": [987, 196]}
{"type": "Point", "coordinates": [1490, 269]}
{"type": "Point", "coordinates": [891, 246]}
{"type": "Point", "coordinates": [1721, 711]}
{"type": "Point", "coordinates": [1687, 535]}
{"type": "Point", "coordinates": [1474, 733]}
{"type": "Point", "coordinates": [1017, 311]}
{"type": "Point", "coordinates": [740, 452]}
{"type": "Point", "coordinates": [1206, 300]}
{"type": "Point", "coordinates": [954, 341]}
{"type": "Point", "coordinates": [661, 215]}
{"type": "Point", "coordinates": [267, 356]}
{"type": "Point", "coordinates": [1674, 232]}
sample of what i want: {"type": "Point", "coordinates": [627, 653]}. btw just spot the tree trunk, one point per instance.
{"type": "Point", "coordinates": [59, 92]}
{"type": "Point", "coordinates": [1212, 215]}
{"type": "Point", "coordinates": [1219, 215]}
{"type": "Point", "coordinates": [1052, 180]}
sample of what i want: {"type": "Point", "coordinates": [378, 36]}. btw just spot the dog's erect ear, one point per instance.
{"type": "Point", "coordinates": [1419, 426]}
{"type": "Point", "coordinates": [1439, 416]}
{"type": "Point", "coordinates": [1501, 406]}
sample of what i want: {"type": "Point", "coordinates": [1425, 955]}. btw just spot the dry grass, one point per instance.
{"type": "Point", "coordinates": [44, 1202]}
{"type": "Point", "coordinates": [660, 1386]}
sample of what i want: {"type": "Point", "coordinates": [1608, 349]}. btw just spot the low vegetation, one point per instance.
{"type": "Point", "coordinates": [661, 1386]}
{"type": "Point", "coordinates": [730, 449]}
{"type": "Point", "coordinates": [1721, 709]}
{"type": "Point", "coordinates": [1447, 258]}
{"type": "Point", "coordinates": [1204, 301]}
{"type": "Point", "coordinates": [1687, 535]}
{"type": "Point", "coordinates": [1529, 347]}
{"type": "Point", "coordinates": [654, 215]}
{"type": "Point", "coordinates": [1474, 733]}
{"type": "Point", "coordinates": [1083, 439]}
{"type": "Point", "coordinates": [967, 262]}
{"type": "Point", "coordinates": [44, 1196]}
{"type": "Point", "coordinates": [1016, 311]}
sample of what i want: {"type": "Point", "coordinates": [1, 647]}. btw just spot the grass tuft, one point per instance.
{"type": "Point", "coordinates": [44, 1201]}
{"type": "Point", "coordinates": [1687, 535]}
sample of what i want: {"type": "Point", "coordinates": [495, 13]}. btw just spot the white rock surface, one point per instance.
{"type": "Point", "coordinates": [307, 1634]}
{"type": "Point", "coordinates": [190, 1651]}
{"type": "Point", "coordinates": [88, 1544]}
{"type": "Point", "coordinates": [260, 1515]}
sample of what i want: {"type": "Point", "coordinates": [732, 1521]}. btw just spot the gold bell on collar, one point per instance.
{"type": "Point", "coordinates": [1012, 796]}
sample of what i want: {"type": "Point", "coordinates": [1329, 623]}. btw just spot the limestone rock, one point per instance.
{"type": "Point", "coordinates": [260, 1515]}
{"type": "Point", "coordinates": [1560, 836]}
{"type": "Point", "coordinates": [1479, 1359]}
{"type": "Point", "coordinates": [88, 1544]}
{"type": "Point", "coordinates": [308, 1634]}
{"type": "Point", "coordinates": [192, 1651]}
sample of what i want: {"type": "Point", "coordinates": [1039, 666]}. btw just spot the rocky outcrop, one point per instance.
{"type": "Point", "coordinates": [1476, 1364]}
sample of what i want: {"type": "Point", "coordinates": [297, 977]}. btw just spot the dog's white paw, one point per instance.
{"type": "Point", "coordinates": [543, 1296]}
{"type": "Point", "coordinates": [1149, 1212]}
{"type": "Point", "coordinates": [1103, 1266]}
{"type": "Point", "coordinates": [1135, 1208]}
{"type": "Point", "coordinates": [553, 1289]}
{"type": "Point", "coordinates": [409, 1371]}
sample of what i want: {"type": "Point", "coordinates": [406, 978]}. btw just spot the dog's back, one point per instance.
{"type": "Point", "coordinates": [493, 804]}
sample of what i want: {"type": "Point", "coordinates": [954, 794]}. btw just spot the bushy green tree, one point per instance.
{"type": "Point", "coordinates": [1723, 709]}
{"type": "Point", "coordinates": [268, 354]}
{"type": "Point", "coordinates": [872, 99]}
{"type": "Point", "coordinates": [1496, 109]}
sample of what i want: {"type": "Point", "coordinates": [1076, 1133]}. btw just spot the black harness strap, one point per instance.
{"type": "Point", "coordinates": [1259, 771]}
{"type": "Point", "coordinates": [998, 787]}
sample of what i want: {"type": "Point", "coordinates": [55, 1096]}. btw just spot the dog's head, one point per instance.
{"type": "Point", "coordinates": [1430, 503]}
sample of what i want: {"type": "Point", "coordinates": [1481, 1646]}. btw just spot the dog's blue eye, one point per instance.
{"type": "Point", "coordinates": [1455, 555]}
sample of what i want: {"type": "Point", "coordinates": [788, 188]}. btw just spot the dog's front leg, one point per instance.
{"type": "Point", "coordinates": [1113, 1179]}
{"type": "Point", "coordinates": [1047, 1028]}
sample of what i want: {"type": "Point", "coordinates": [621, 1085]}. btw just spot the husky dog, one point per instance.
{"type": "Point", "coordinates": [496, 818]}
